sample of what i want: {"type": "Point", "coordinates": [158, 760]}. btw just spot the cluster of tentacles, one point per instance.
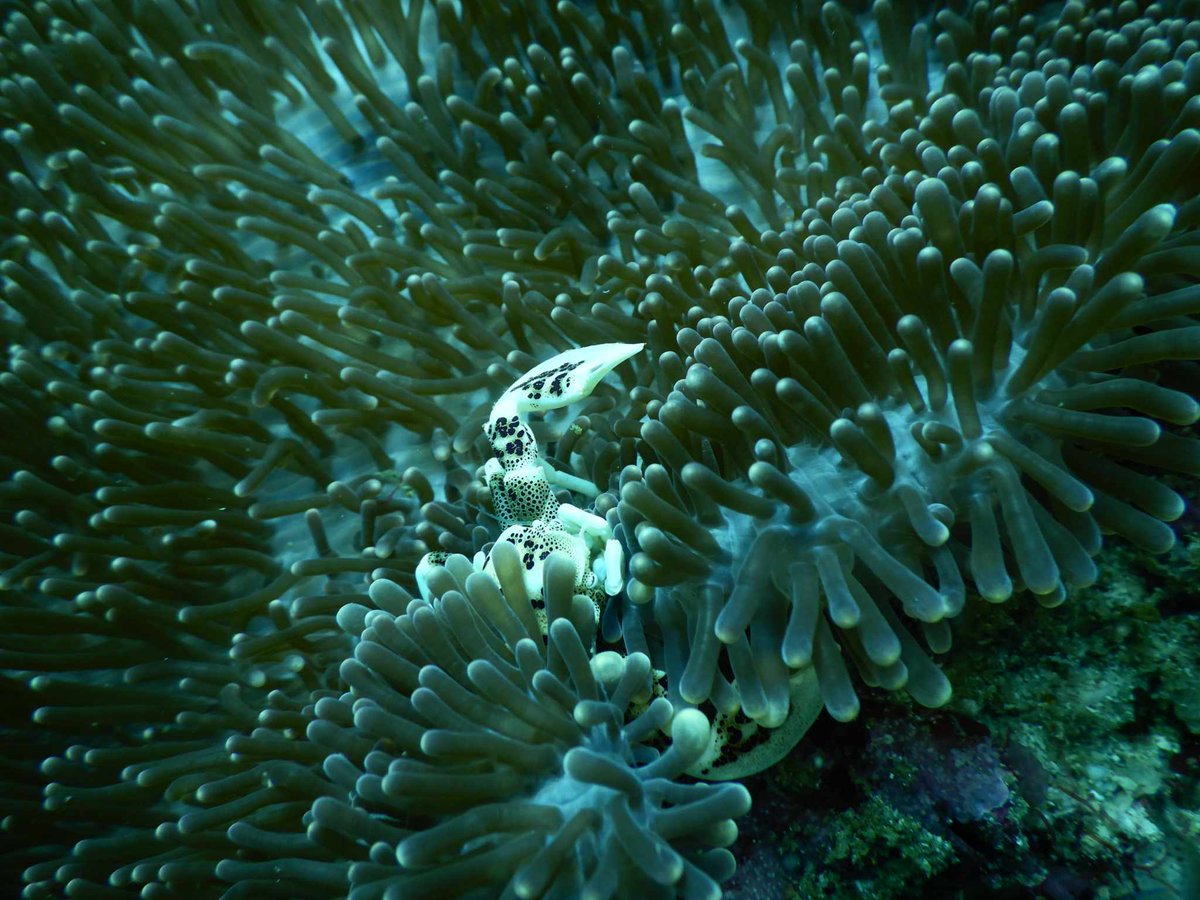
{"type": "Point", "coordinates": [917, 292]}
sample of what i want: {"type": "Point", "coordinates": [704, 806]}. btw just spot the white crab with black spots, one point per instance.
{"type": "Point", "coordinates": [522, 484]}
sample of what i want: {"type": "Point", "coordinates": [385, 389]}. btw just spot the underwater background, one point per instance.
{"type": "Point", "coordinates": [524, 449]}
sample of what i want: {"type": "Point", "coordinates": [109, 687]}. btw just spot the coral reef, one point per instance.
{"type": "Point", "coordinates": [1060, 768]}
{"type": "Point", "coordinates": [916, 286]}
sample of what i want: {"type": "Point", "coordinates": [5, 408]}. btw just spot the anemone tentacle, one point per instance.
{"type": "Point", "coordinates": [917, 286]}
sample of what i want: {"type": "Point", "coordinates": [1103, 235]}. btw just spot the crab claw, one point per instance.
{"type": "Point", "coordinates": [425, 568]}
{"type": "Point", "coordinates": [563, 379]}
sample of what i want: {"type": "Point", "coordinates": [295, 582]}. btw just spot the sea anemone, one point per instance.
{"type": "Point", "coordinates": [859, 447]}
{"type": "Point", "coordinates": [916, 286]}
{"type": "Point", "coordinates": [505, 760]}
